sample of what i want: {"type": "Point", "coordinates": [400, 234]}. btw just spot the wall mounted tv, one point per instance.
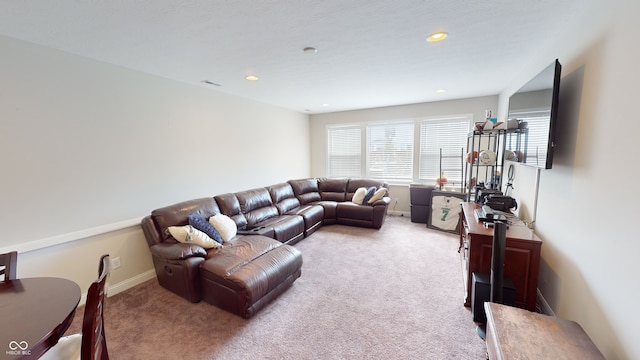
{"type": "Point", "coordinates": [535, 106]}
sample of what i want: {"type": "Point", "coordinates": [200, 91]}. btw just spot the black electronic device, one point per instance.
{"type": "Point", "coordinates": [482, 193]}
{"type": "Point", "coordinates": [487, 215]}
{"type": "Point", "coordinates": [534, 107]}
{"type": "Point", "coordinates": [500, 202]}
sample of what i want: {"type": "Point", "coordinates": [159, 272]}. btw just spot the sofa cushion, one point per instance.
{"type": "Point", "coordinates": [283, 197]}
{"type": "Point", "coordinates": [229, 205]}
{"type": "Point", "coordinates": [225, 226]}
{"type": "Point", "coordinates": [203, 225]}
{"type": "Point", "coordinates": [349, 210]}
{"type": "Point", "coordinates": [306, 190]}
{"type": "Point", "coordinates": [333, 189]}
{"type": "Point", "coordinates": [256, 205]}
{"type": "Point", "coordinates": [358, 196]}
{"type": "Point", "coordinates": [187, 234]}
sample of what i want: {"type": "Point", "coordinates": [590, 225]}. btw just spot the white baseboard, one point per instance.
{"type": "Point", "coordinates": [131, 282]}
{"type": "Point", "coordinates": [124, 285]}
{"type": "Point", "coordinates": [398, 213]}
{"type": "Point", "coordinates": [544, 305]}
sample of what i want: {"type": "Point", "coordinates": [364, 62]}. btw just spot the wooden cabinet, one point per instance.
{"type": "Point", "coordinates": [522, 255]}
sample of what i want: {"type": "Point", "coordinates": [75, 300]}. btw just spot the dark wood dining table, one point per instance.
{"type": "Point", "coordinates": [34, 314]}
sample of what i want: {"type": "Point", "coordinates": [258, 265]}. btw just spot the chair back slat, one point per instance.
{"type": "Point", "coordinates": [8, 265]}
{"type": "Point", "coordinates": [94, 344]}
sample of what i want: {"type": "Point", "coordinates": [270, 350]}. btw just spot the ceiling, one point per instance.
{"type": "Point", "coordinates": [369, 53]}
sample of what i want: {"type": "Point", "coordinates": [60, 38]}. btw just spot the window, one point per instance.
{"type": "Point", "coordinates": [538, 132]}
{"type": "Point", "coordinates": [387, 150]}
{"type": "Point", "coordinates": [344, 148]}
{"type": "Point", "coordinates": [390, 151]}
{"type": "Point", "coordinates": [450, 135]}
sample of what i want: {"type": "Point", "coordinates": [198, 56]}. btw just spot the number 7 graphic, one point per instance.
{"type": "Point", "coordinates": [445, 213]}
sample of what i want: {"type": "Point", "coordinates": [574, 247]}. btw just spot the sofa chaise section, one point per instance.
{"type": "Point", "coordinates": [245, 275]}
{"type": "Point", "coordinates": [241, 276]}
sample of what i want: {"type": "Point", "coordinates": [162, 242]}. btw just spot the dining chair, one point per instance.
{"type": "Point", "coordinates": [8, 265]}
{"type": "Point", "coordinates": [91, 344]}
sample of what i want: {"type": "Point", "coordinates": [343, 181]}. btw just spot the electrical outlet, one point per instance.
{"type": "Point", "coordinates": [115, 263]}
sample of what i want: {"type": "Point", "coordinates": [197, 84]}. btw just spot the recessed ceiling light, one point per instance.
{"type": "Point", "coordinates": [252, 78]}
{"type": "Point", "coordinates": [441, 91]}
{"type": "Point", "coordinates": [325, 105]}
{"type": "Point", "coordinates": [310, 49]}
{"type": "Point", "coordinates": [437, 36]}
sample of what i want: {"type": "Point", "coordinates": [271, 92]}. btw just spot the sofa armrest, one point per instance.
{"type": "Point", "coordinates": [177, 251]}
{"type": "Point", "coordinates": [384, 201]}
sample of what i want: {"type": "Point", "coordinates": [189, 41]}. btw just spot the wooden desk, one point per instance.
{"type": "Point", "coordinates": [522, 255]}
{"type": "Point", "coordinates": [35, 313]}
{"type": "Point", "coordinates": [514, 333]}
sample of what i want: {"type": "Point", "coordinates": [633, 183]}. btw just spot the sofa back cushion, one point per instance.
{"type": "Point", "coordinates": [354, 184]}
{"type": "Point", "coordinates": [333, 189]}
{"type": "Point", "coordinates": [256, 205]}
{"type": "Point", "coordinates": [177, 214]}
{"type": "Point", "coordinates": [306, 190]}
{"type": "Point", "coordinates": [283, 197]}
{"type": "Point", "coordinates": [230, 206]}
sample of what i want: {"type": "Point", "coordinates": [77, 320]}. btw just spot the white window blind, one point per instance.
{"type": "Point", "coordinates": [344, 151]}
{"type": "Point", "coordinates": [448, 134]}
{"type": "Point", "coordinates": [390, 151]}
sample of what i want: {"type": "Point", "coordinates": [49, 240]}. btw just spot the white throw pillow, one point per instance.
{"type": "Point", "coordinates": [379, 194]}
{"type": "Point", "coordinates": [358, 196]}
{"type": "Point", "coordinates": [189, 235]}
{"type": "Point", "coordinates": [225, 226]}
{"type": "Point", "coordinates": [179, 232]}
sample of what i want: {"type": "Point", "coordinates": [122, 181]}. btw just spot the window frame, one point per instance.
{"type": "Point", "coordinates": [416, 150]}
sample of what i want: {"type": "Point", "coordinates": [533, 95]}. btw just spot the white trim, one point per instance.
{"type": "Point", "coordinates": [123, 285]}
{"type": "Point", "coordinates": [131, 282]}
{"type": "Point", "coordinates": [544, 305]}
{"type": "Point", "coordinates": [69, 237]}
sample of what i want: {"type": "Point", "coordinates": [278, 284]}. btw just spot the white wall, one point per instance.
{"type": "Point", "coordinates": [587, 204]}
{"type": "Point", "coordinates": [319, 123]}
{"type": "Point", "coordinates": [86, 145]}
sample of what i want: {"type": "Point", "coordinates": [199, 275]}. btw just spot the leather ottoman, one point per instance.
{"type": "Point", "coordinates": [248, 273]}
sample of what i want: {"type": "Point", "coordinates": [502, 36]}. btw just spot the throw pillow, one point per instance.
{"type": "Point", "coordinates": [225, 226]}
{"type": "Point", "coordinates": [358, 196]}
{"type": "Point", "coordinates": [189, 235]}
{"type": "Point", "coordinates": [379, 194]}
{"type": "Point", "coordinates": [370, 192]}
{"type": "Point", "coordinates": [178, 232]}
{"type": "Point", "coordinates": [203, 225]}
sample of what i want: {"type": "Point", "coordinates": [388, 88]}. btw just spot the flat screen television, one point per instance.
{"type": "Point", "coordinates": [535, 107]}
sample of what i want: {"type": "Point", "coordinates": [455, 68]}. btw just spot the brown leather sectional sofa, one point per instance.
{"type": "Point", "coordinates": [259, 263]}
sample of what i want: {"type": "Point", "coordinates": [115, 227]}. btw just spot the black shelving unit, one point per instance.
{"type": "Point", "coordinates": [489, 174]}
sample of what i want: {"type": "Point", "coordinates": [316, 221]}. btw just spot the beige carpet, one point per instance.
{"type": "Point", "coordinates": [394, 293]}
